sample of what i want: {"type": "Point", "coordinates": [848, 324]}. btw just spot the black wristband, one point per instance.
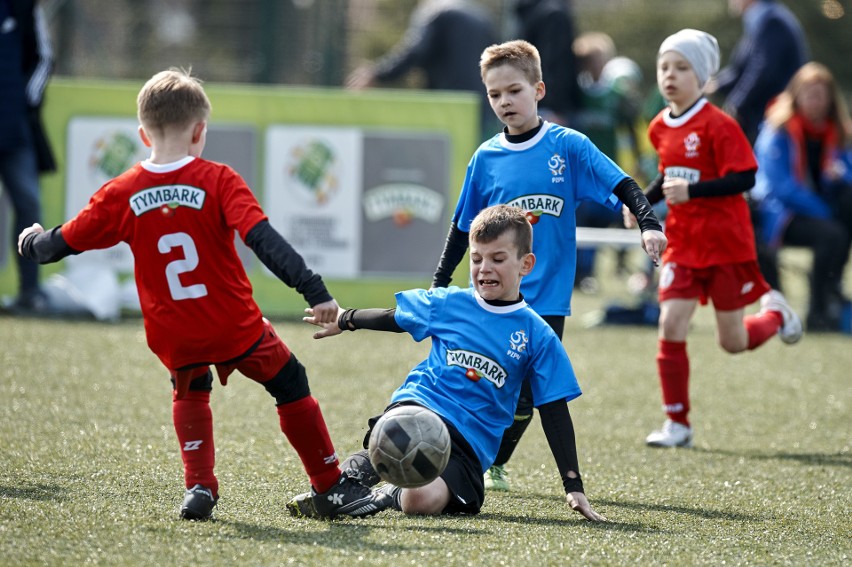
{"type": "Point", "coordinates": [345, 320]}
{"type": "Point", "coordinates": [572, 484]}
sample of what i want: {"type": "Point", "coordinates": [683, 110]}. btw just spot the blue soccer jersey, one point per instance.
{"type": "Point", "coordinates": [547, 176]}
{"type": "Point", "coordinates": [479, 357]}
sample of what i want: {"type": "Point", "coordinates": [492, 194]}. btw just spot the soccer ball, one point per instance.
{"type": "Point", "coordinates": [409, 446]}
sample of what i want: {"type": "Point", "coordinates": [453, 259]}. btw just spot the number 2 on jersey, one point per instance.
{"type": "Point", "coordinates": [177, 267]}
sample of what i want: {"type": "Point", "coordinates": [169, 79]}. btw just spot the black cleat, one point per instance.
{"type": "Point", "coordinates": [348, 497]}
{"type": "Point", "coordinates": [198, 503]}
{"type": "Point", "coordinates": [362, 469]}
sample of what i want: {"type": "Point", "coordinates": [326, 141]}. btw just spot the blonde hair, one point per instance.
{"type": "Point", "coordinates": [520, 54]}
{"type": "Point", "coordinates": [784, 106]}
{"type": "Point", "coordinates": [172, 99]}
{"type": "Point", "coordinates": [492, 222]}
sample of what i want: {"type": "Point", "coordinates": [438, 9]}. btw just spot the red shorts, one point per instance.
{"type": "Point", "coordinates": [730, 286]}
{"type": "Point", "coordinates": [265, 361]}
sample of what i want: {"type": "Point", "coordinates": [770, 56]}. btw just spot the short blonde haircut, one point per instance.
{"type": "Point", "coordinates": [784, 106]}
{"type": "Point", "coordinates": [172, 99]}
{"type": "Point", "coordinates": [520, 54]}
{"type": "Point", "coordinates": [492, 222]}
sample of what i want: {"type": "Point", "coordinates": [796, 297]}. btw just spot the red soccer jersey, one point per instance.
{"type": "Point", "coordinates": [179, 221]}
{"type": "Point", "coordinates": [704, 144]}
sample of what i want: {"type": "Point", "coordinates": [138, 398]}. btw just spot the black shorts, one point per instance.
{"type": "Point", "coordinates": [463, 474]}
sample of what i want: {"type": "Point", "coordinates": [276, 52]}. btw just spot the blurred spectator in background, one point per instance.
{"type": "Point", "coordinates": [609, 106]}
{"type": "Point", "coordinates": [549, 25]}
{"type": "Point", "coordinates": [803, 190]}
{"type": "Point", "coordinates": [26, 61]}
{"type": "Point", "coordinates": [445, 39]}
{"type": "Point", "coordinates": [771, 49]}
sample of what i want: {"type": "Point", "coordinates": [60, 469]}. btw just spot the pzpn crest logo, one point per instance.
{"type": "Point", "coordinates": [692, 142]}
{"type": "Point", "coordinates": [556, 165]}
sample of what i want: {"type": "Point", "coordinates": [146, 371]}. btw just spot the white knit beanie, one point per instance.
{"type": "Point", "coordinates": [699, 48]}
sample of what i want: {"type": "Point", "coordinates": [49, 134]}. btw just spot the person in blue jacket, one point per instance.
{"type": "Point", "coordinates": [803, 187]}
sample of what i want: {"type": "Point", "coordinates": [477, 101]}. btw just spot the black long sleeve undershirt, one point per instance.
{"type": "Point", "coordinates": [731, 184]}
{"type": "Point", "coordinates": [454, 249]}
{"type": "Point", "coordinates": [287, 264]}
{"type": "Point", "coordinates": [46, 247]}
{"type": "Point", "coordinates": [631, 195]}
{"type": "Point", "coordinates": [559, 431]}
{"type": "Point", "coordinates": [373, 319]}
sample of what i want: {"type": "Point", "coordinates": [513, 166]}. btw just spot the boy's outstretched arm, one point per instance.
{"type": "Point", "coordinates": [289, 266]}
{"type": "Point", "coordinates": [654, 242]}
{"type": "Point", "coordinates": [352, 319]}
{"type": "Point", "coordinates": [559, 430]}
{"type": "Point", "coordinates": [43, 247]}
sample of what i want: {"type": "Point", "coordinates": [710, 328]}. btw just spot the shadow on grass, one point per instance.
{"type": "Point", "coordinates": [34, 492]}
{"type": "Point", "coordinates": [814, 459]}
{"type": "Point", "coordinates": [337, 534]}
{"type": "Point", "coordinates": [571, 519]}
{"type": "Point", "coordinates": [698, 512]}
{"type": "Point", "coordinates": [613, 523]}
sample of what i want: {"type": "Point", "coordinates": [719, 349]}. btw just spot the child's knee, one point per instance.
{"type": "Point", "coordinates": [429, 500]}
{"type": "Point", "coordinates": [290, 384]}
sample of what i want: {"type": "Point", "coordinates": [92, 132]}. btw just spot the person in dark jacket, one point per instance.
{"type": "Point", "coordinates": [549, 25]}
{"type": "Point", "coordinates": [770, 51]}
{"type": "Point", "coordinates": [444, 39]}
{"type": "Point", "coordinates": [26, 62]}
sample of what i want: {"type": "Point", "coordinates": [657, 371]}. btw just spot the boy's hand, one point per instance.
{"type": "Point", "coordinates": [36, 228]}
{"type": "Point", "coordinates": [579, 503]}
{"type": "Point", "coordinates": [325, 312]}
{"type": "Point", "coordinates": [329, 329]}
{"type": "Point", "coordinates": [676, 190]}
{"type": "Point", "coordinates": [629, 219]}
{"type": "Point", "coordinates": [654, 243]}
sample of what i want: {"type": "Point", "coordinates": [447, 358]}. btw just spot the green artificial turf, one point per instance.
{"type": "Point", "coordinates": [90, 471]}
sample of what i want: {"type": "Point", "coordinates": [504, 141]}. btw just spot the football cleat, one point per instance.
{"type": "Point", "coordinates": [496, 478]}
{"type": "Point", "coordinates": [672, 434]}
{"type": "Point", "coordinates": [348, 497]}
{"type": "Point", "coordinates": [198, 503]}
{"type": "Point", "coordinates": [361, 468]}
{"type": "Point", "coordinates": [790, 331]}
{"type": "Point", "coordinates": [393, 494]}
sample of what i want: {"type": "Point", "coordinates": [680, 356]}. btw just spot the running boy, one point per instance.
{"type": "Point", "coordinates": [706, 165]}
{"type": "Point", "coordinates": [492, 324]}
{"type": "Point", "coordinates": [546, 170]}
{"type": "Point", "coordinates": [178, 212]}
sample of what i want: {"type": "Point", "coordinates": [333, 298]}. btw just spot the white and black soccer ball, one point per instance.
{"type": "Point", "coordinates": [409, 446]}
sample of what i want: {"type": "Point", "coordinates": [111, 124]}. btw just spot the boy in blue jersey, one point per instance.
{"type": "Point", "coordinates": [491, 324]}
{"type": "Point", "coordinates": [546, 170]}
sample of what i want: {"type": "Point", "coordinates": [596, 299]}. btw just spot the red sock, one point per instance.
{"type": "Point", "coordinates": [304, 426]}
{"type": "Point", "coordinates": [193, 422]}
{"type": "Point", "coordinates": [673, 367]}
{"type": "Point", "coordinates": [761, 327]}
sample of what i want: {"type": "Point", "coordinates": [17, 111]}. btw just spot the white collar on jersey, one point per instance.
{"type": "Point", "coordinates": [165, 167]}
{"type": "Point", "coordinates": [685, 117]}
{"type": "Point", "coordinates": [545, 126]}
{"type": "Point", "coordinates": [498, 309]}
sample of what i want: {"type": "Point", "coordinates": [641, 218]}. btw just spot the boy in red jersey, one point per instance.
{"type": "Point", "coordinates": [178, 212]}
{"type": "Point", "coordinates": [706, 165]}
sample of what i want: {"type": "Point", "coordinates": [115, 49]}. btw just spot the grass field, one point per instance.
{"type": "Point", "coordinates": [90, 472]}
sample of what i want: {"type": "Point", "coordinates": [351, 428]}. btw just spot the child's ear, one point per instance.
{"type": "Point", "coordinates": [198, 131]}
{"type": "Point", "coordinates": [539, 90]}
{"type": "Point", "coordinates": [527, 263]}
{"type": "Point", "coordinates": [145, 139]}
